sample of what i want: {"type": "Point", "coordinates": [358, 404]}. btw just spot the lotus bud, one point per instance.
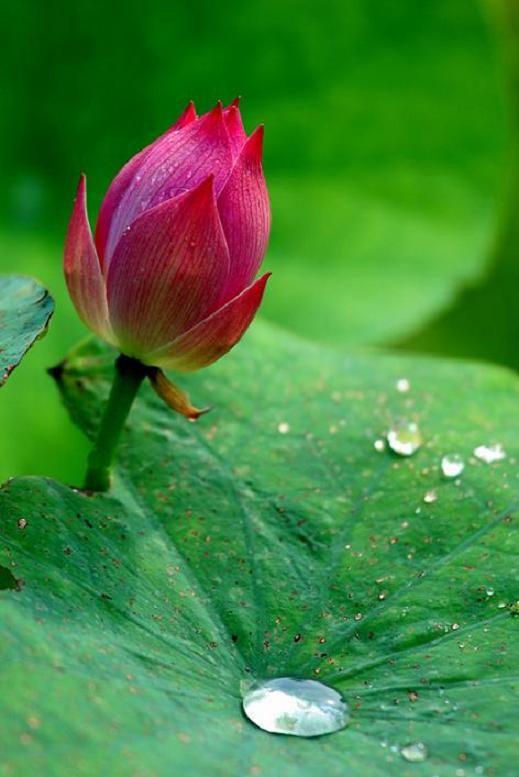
{"type": "Point", "coordinates": [181, 233]}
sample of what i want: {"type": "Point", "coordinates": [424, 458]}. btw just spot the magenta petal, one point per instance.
{"type": "Point", "coordinates": [168, 271]}
{"type": "Point", "coordinates": [245, 212]}
{"type": "Point", "coordinates": [82, 270]}
{"type": "Point", "coordinates": [178, 161]}
{"type": "Point", "coordinates": [124, 178]}
{"type": "Point", "coordinates": [185, 118]}
{"type": "Point", "coordinates": [234, 125]}
{"type": "Point", "coordinates": [217, 334]}
{"type": "Point", "coordinates": [111, 201]}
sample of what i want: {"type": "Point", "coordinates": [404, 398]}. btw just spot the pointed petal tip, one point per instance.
{"type": "Point", "coordinates": [187, 116]}
{"type": "Point", "coordinates": [81, 184]}
{"type": "Point", "coordinates": [204, 189]}
{"type": "Point", "coordinates": [233, 107]}
{"type": "Point", "coordinates": [199, 412]}
{"type": "Point", "coordinates": [253, 146]}
{"type": "Point", "coordinates": [216, 113]}
{"type": "Point", "coordinates": [189, 111]}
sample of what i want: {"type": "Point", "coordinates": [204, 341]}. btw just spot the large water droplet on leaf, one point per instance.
{"type": "Point", "coordinates": [416, 752]}
{"type": "Point", "coordinates": [489, 453]}
{"type": "Point", "coordinates": [303, 708]}
{"type": "Point", "coordinates": [404, 438]}
{"type": "Point", "coordinates": [403, 385]}
{"type": "Point", "coordinates": [452, 465]}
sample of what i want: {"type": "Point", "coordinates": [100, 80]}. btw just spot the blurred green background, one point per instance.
{"type": "Point", "coordinates": [385, 153]}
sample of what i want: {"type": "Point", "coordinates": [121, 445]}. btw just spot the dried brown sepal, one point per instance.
{"type": "Point", "coordinates": [174, 397]}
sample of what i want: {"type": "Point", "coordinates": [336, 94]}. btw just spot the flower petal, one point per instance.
{"type": "Point", "coordinates": [123, 179]}
{"type": "Point", "coordinates": [234, 125]}
{"type": "Point", "coordinates": [173, 396]}
{"type": "Point", "coordinates": [82, 270]}
{"type": "Point", "coordinates": [186, 117]}
{"type": "Point", "coordinates": [217, 334]}
{"type": "Point", "coordinates": [245, 212]}
{"type": "Point", "coordinates": [168, 271]}
{"type": "Point", "coordinates": [178, 161]}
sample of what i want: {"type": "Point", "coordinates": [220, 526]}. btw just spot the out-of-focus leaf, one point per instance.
{"type": "Point", "coordinates": [482, 322]}
{"type": "Point", "coordinates": [269, 539]}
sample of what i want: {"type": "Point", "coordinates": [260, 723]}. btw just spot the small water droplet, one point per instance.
{"type": "Point", "coordinates": [403, 385]}
{"type": "Point", "coordinates": [379, 445]}
{"type": "Point", "coordinates": [416, 752]}
{"type": "Point", "coordinates": [302, 708]}
{"type": "Point", "coordinates": [490, 453]}
{"type": "Point", "coordinates": [404, 438]}
{"type": "Point", "coordinates": [452, 465]}
{"type": "Point", "coordinates": [283, 427]}
{"type": "Point", "coordinates": [489, 590]}
{"type": "Point", "coordinates": [431, 496]}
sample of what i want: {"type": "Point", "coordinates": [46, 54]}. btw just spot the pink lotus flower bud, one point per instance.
{"type": "Point", "coordinates": [180, 235]}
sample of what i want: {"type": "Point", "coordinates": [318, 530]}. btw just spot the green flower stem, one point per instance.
{"type": "Point", "coordinates": [129, 374]}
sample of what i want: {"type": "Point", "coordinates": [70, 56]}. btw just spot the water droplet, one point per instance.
{"type": "Point", "coordinates": [283, 427]}
{"type": "Point", "coordinates": [303, 708]}
{"type": "Point", "coordinates": [431, 496]}
{"type": "Point", "coordinates": [404, 438]}
{"type": "Point", "coordinates": [416, 752]}
{"type": "Point", "coordinates": [403, 385]}
{"type": "Point", "coordinates": [379, 445]}
{"type": "Point", "coordinates": [490, 453]}
{"type": "Point", "coordinates": [489, 590]}
{"type": "Point", "coordinates": [452, 465]}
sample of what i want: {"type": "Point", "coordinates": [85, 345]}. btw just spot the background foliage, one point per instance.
{"type": "Point", "coordinates": [384, 154]}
